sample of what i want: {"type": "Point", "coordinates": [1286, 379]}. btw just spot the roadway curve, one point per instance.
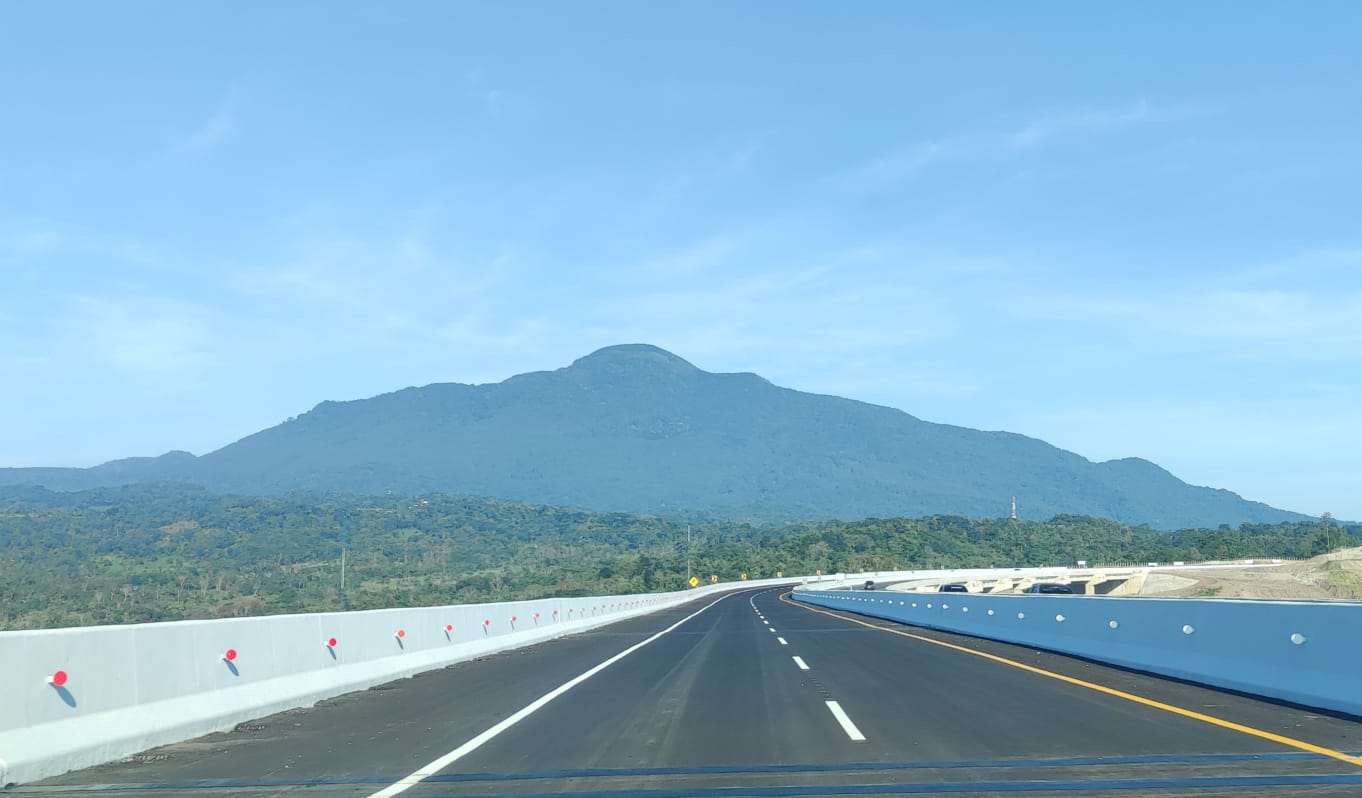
{"type": "Point", "coordinates": [719, 706]}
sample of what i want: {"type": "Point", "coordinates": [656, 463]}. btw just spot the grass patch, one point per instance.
{"type": "Point", "coordinates": [1344, 574]}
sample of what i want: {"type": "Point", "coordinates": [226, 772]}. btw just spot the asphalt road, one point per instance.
{"type": "Point", "coordinates": [754, 695]}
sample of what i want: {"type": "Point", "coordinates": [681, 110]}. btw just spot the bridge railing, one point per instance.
{"type": "Point", "coordinates": [1303, 652]}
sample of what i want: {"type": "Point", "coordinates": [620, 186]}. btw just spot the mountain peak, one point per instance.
{"type": "Point", "coordinates": [636, 428]}
{"type": "Point", "coordinates": [635, 356]}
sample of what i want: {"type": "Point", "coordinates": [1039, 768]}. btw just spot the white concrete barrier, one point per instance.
{"type": "Point", "coordinates": [129, 688]}
{"type": "Point", "coordinates": [1304, 652]}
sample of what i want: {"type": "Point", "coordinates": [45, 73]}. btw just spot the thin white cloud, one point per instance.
{"type": "Point", "coordinates": [219, 126]}
{"type": "Point", "coordinates": [36, 242]}
{"type": "Point", "coordinates": [476, 83]}
{"type": "Point", "coordinates": [902, 164]}
{"type": "Point", "coordinates": [1330, 388]}
{"type": "Point", "coordinates": [1260, 323]}
{"type": "Point", "coordinates": [1336, 266]}
{"type": "Point", "coordinates": [397, 295]}
{"type": "Point", "coordinates": [138, 334]}
{"type": "Point", "coordinates": [700, 258]}
{"type": "Point", "coordinates": [53, 246]}
{"type": "Point", "coordinates": [908, 161]}
{"type": "Point", "coordinates": [478, 332]}
{"type": "Point", "coordinates": [824, 312]}
{"type": "Point", "coordinates": [1096, 120]}
{"type": "Point", "coordinates": [742, 159]}
{"type": "Point", "coordinates": [351, 274]}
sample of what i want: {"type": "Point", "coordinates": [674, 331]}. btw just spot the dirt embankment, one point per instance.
{"type": "Point", "coordinates": [1329, 576]}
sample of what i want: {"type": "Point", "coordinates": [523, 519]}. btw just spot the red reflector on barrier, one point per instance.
{"type": "Point", "coordinates": [57, 679]}
{"type": "Point", "coordinates": [229, 655]}
{"type": "Point", "coordinates": [449, 627]}
{"type": "Point", "coordinates": [401, 633]}
{"type": "Point", "coordinates": [331, 642]}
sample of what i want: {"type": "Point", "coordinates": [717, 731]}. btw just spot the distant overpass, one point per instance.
{"type": "Point", "coordinates": [1086, 580]}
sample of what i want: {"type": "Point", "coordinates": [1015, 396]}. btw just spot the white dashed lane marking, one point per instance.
{"type": "Point", "coordinates": [842, 718]}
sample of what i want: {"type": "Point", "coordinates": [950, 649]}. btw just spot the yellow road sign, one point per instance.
{"type": "Point", "coordinates": [713, 579]}
{"type": "Point", "coordinates": [744, 575]}
{"type": "Point", "coordinates": [780, 574]}
{"type": "Point", "coordinates": [694, 580]}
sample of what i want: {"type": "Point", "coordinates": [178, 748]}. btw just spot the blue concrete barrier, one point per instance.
{"type": "Point", "coordinates": [1304, 652]}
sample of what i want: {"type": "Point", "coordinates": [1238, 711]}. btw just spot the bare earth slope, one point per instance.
{"type": "Point", "coordinates": [1328, 576]}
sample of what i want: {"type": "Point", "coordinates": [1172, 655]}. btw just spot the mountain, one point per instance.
{"type": "Point", "coordinates": [169, 467]}
{"type": "Point", "coordinates": [637, 429]}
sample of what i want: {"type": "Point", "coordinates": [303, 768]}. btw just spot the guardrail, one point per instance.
{"type": "Point", "coordinates": [75, 697]}
{"type": "Point", "coordinates": [1303, 652]}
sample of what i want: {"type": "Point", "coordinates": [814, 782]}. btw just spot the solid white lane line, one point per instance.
{"type": "Point", "coordinates": [800, 662]}
{"type": "Point", "coordinates": [407, 782]}
{"type": "Point", "coordinates": [781, 640]}
{"type": "Point", "coordinates": [770, 629]}
{"type": "Point", "coordinates": [847, 726]}
{"type": "Point", "coordinates": [763, 620]}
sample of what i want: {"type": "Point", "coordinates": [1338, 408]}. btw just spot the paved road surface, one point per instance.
{"type": "Point", "coordinates": [754, 695]}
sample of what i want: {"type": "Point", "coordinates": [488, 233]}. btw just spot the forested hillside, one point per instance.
{"type": "Point", "coordinates": [162, 552]}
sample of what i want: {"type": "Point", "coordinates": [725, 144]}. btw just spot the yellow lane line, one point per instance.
{"type": "Point", "coordinates": [1138, 699]}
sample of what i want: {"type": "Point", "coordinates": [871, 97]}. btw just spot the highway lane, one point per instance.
{"type": "Point", "coordinates": [378, 735]}
{"type": "Point", "coordinates": [721, 692]}
{"type": "Point", "coordinates": [959, 703]}
{"type": "Point", "coordinates": [720, 706]}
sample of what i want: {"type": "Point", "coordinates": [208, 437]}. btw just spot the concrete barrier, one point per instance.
{"type": "Point", "coordinates": [1304, 652]}
{"type": "Point", "coordinates": [125, 689]}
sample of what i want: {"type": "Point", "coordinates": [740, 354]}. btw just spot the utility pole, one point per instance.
{"type": "Point", "coordinates": [1014, 508]}
{"type": "Point", "coordinates": [688, 574]}
{"type": "Point", "coordinates": [342, 589]}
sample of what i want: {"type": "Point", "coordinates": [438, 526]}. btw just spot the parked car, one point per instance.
{"type": "Point", "coordinates": [1051, 588]}
{"type": "Point", "coordinates": [953, 587]}
{"type": "Point", "coordinates": [870, 584]}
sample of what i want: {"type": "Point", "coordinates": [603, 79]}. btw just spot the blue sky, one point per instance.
{"type": "Point", "coordinates": [1128, 231]}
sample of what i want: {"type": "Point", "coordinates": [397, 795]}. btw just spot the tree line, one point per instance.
{"type": "Point", "coordinates": [168, 552]}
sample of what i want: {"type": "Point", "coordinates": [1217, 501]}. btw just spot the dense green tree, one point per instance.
{"type": "Point", "coordinates": [165, 552]}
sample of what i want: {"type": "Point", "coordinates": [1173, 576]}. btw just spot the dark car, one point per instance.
{"type": "Point", "coordinates": [953, 587]}
{"type": "Point", "coordinates": [1051, 588]}
{"type": "Point", "coordinates": [870, 584]}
